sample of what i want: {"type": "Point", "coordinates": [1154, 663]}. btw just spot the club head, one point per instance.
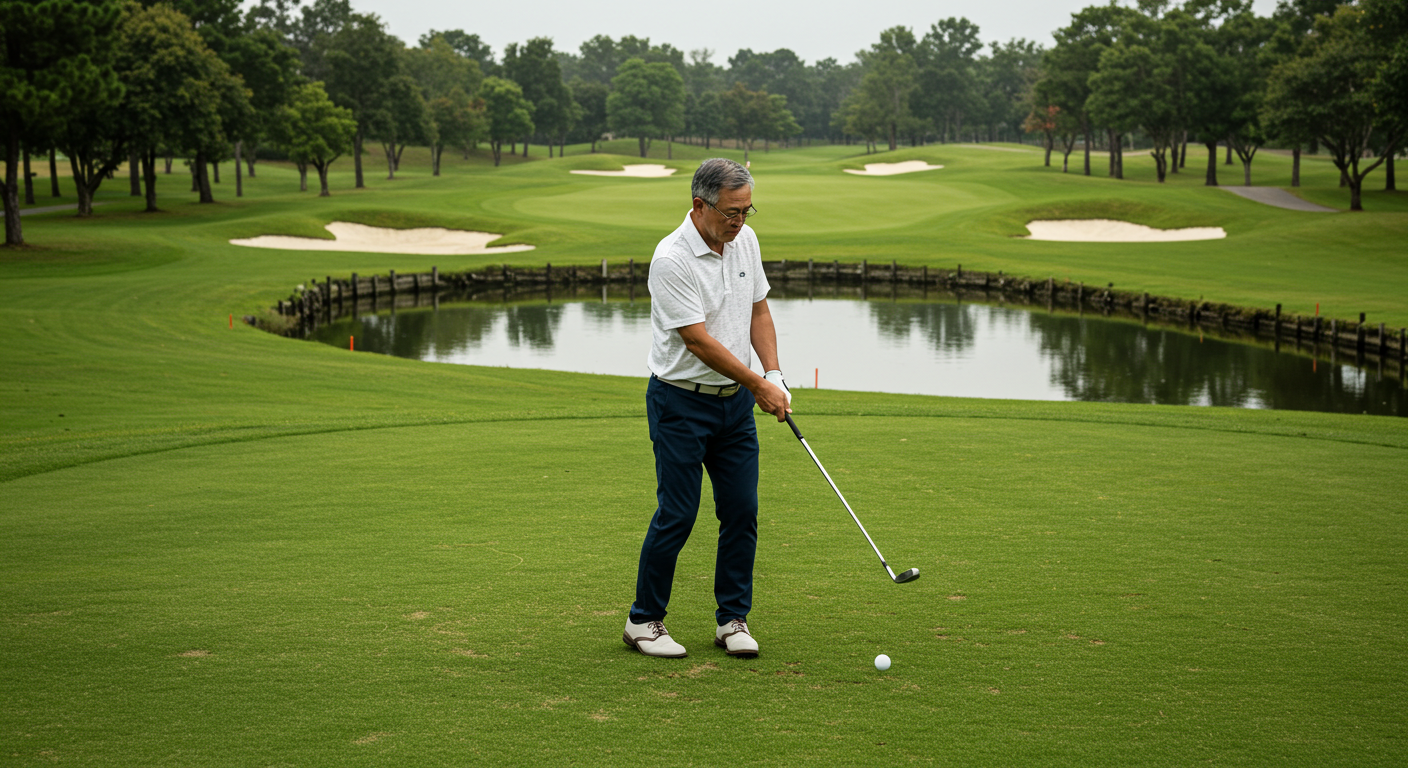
{"type": "Point", "coordinates": [909, 575]}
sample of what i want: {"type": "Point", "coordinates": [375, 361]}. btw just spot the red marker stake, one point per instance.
{"type": "Point", "coordinates": [350, 341]}
{"type": "Point", "coordinates": [817, 383]}
{"type": "Point", "coordinates": [232, 321]}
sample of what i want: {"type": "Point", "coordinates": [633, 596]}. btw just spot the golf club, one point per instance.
{"type": "Point", "coordinates": [909, 575]}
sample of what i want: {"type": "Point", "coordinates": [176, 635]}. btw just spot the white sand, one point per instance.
{"type": "Point", "coordinates": [640, 171]}
{"type": "Point", "coordinates": [891, 169]}
{"type": "Point", "coordinates": [431, 241]}
{"type": "Point", "coordinates": [1108, 231]}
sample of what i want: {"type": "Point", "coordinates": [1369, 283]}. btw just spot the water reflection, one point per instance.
{"type": "Point", "coordinates": [924, 347]}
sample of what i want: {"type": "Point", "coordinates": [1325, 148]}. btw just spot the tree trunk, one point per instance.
{"type": "Point", "coordinates": [1355, 202]}
{"type": "Point", "coordinates": [1390, 183]}
{"type": "Point", "coordinates": [251, 157]}
{"type": "Point", "coordinates": [169, 159]}
{"type": "Point", "coordinates": [86, 183]}
{"type": "Point", "coordinates": [239, 170]}
{"type": "Point", "coordinates": [302, 177]}
{"type": "Point", "coordinates": [203, 178]}
{"type": "Point", "coordinates": [1295, 166]}
{"type": "Point", "coordinates": [892, 137]}
{"type": "Point", "coordinates": [215, 167]}
{"type": "Point", "coordinates": [323, 180]}
{"type": "Point", "coordinates": [149, 177]}
{"type": "Point", "coordinates": [1183, 156]}
{"type": "Point", "coordinates": [1344, 179]}
{"type": "Point", "coordinates": [1229, 152]}
{"type": "Point", "coordinates": [134, 174]}
{"type": "Point", "coordinates": [357, 156]}
{"type": "Point", "coordinates": [435, 151]}
{"type": "Point", "coordinates": [1087, 150]}
{"type": "Point", "coordinates": [14, 235]}
{"type": "Point", "coordinates": [1212, 164]}
{"type": "Point", "coordinates": [28, 179]}
{"type": "Point", "coordinates": [54, 172]}
{"type": "Point", "coordinates": [525, 145]}
{"type": "Point", "coordinates": [1247, 172]}
{"type": "Point", "coordinates": [496, 147]}
{"type": "Point", "coordinates": [390, 159]}
{"type": "Point", "coordinates": [1048, 151]}
{"type": "Point", "coordinates": [642, 146]}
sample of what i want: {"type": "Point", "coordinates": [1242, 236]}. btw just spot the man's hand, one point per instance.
{"type": "Point", "coordinates": [774, 377]}
{"type": "Point", "coordinates": [771, 398]}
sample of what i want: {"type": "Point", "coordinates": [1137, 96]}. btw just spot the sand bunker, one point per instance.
{"type": "Point", "coordinates": [1108, 231]}
{"type": "Point", "coordinates": [891, 169]}
{"type": "Point", "coordinates": [640, 171]}
{"type": "Point", "coordinates": [431, 241]}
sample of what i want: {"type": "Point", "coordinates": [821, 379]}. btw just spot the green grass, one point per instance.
{"type": "Point", "coordinates": [224, 547]}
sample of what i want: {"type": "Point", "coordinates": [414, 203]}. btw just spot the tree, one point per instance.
{"type": "Point", "coordinates": [591, 98]}
{"type": "Point", "coordinates": [459, 122]}
{"type": "Point", "coordinates": [360, 60]}
{"type": "Point", "coordinates": [55, 61]}
{"type": "Point", "coordinates": [466, 45]}
{"type": "Point", "coordinates": [509, 115]}
{"type": "Point", "coordinates": [401, 119]}
{"type": "Point", "coordinates": [647, 101]}
{"type": "Point", "coordinates": [314, 131]}
{"type": "Point", "coordinates": [948, 92]}
{"type": "Point", "coordinates": [1329, 92]}
{"type": "Point", "coordinates": [269, 70]}
{"type": "Point", "coordinates": [1076, 57]}
{"type": "Point", "coordinates": [1133, 87]}
{"type": "Point", "coordinates": [890, 78]}
{"type": "Point", "coordinates": [536, 70]}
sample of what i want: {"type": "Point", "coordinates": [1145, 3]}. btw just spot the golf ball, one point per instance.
{"type": "Point", "coordinates": [882, 662]}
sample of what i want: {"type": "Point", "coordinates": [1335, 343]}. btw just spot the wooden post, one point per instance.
{"type": "Point", "coordinates": [1383, 342]}
{"type": "Point", "coordinates": [1315, 331]}
{"type": "Point", "coordinates": [1276, 324]}
{"type": "Point", "coordinates": [864, 270]}
{"type": "Point", "coordinates": [1359, 336]}
{"type": "Point", "coordinates": [836, 271]}
{"type": "Point", "coordinates": [959, 274]}
{"type": "Point", "coordinates": [811, 270]}
{"type": "Point", "coordinates": [547, 274]}
{"type": "Point", "coordinates": [434, 278]}
{"type": "Point", "coordinates": [782, 267]}
{"type": "Point", "coordinates": [603, 269]}
{"type": "Point", "coordinates": [392, 280]}
{"type": "Point", "coordinates": [894, 271]}
{"type": "Point", "coordinates": [1402, 353]}
{"type": "Point", "coordinates": [354, 289]}
{"type": "Point", "coordinates": [631, 264]}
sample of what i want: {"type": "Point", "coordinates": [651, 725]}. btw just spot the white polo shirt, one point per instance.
{"type": "Point", "coordinates": [690, 284]}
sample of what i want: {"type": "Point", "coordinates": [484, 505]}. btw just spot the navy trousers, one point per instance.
{"type": "Point", "coordinates": [692, 432]}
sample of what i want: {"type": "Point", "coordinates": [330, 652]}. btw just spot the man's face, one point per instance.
{"type": "Point", "coordinates": [731, 202]}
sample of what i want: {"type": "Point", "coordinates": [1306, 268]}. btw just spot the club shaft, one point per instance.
{"type": "Point", "coordinates": [846, 504]}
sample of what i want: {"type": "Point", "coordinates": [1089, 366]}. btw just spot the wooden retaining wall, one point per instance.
{"type": "Point", "coordinates": [1368, 342]}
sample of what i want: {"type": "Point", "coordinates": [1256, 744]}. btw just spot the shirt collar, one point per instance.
{"type": "Point", "coordinates": [696, 240]}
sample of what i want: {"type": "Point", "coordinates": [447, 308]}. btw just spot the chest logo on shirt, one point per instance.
{"type": "Point", "coordinates": [741, 274]}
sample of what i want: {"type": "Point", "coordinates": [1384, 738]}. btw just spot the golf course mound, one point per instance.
{"type": "Point", "coordinates": [360, 238]}
{"type": "Point", "coordinates": [1111, 231]}
{"type": "Point", "coordinates": [637, 171]}
{"type": "Point", "coordinates": [893, 169]}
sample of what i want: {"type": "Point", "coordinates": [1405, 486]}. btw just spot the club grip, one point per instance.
{"type": "Point", "coordinates": [793, 425]}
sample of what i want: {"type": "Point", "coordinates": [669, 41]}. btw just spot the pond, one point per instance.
{"type": "Point", "coordinates": [933, 346]}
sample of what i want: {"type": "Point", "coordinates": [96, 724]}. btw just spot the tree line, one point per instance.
{"type": "Point", "coordinates": [107, 82]}
{"type": "Point", "coordinates": [1314, 74]}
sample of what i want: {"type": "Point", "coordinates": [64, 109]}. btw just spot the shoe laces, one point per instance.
{"type": "Point", "coordinates": [657, 628]}
{"type": "Point", "coordinates": [739, 625]}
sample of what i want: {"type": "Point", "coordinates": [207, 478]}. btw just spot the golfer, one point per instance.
{"type": "Point", "coordinates": [708, 307]}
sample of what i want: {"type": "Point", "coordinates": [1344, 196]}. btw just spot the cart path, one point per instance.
{"type": "Point", "coordinates": [1279, 198]}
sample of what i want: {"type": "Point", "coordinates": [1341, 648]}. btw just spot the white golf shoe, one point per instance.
{"type": "Point", "coordinates": [734, 638]}
{"type": "Point", "coordinates": [652, 639]}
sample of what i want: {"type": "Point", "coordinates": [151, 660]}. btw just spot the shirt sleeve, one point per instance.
{"type": "Point", "coordinates": [673, 294]}
{"type": "Point", "coordinates": [761, 286]}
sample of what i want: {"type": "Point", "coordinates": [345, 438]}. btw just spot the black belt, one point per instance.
{"type": "Point", "coordinates": [704, 389]}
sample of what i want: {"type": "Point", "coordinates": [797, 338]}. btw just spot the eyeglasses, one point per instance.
{"type": "Point", "coordinates": [746, 213]}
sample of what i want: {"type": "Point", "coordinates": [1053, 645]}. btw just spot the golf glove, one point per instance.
{"type": "Point", "coordinates": [775, 378]}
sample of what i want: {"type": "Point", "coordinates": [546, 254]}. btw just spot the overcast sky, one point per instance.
{"type": "Point", "coordinates": [814, 30]}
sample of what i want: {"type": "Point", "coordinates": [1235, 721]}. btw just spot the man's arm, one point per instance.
{"type": "Point", "coordinates": [716, 356]}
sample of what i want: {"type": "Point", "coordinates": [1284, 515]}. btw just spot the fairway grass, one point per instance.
{"type": "Point", "coordinates": [224, 547]}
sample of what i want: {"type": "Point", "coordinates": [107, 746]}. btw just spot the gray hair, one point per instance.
{"type": "Point", "coordinates": [715, 174]}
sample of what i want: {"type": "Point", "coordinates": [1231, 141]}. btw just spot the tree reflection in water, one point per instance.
{"type": "Point", "coordinates": [933, 347]}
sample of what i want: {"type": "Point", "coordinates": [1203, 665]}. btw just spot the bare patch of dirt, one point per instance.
{"type": "Point", "coordinates": [194, 654]}
{"type": "Point", "coordinates": [371, 738]}
{"type": "Point", "coordinates": [470, 653]}
{"type": "Point", "coordinates": [958, 597]}
{"type": "Point", "coordinates": [604, 613]}
{"type": "Point", "coordinates": [600, 716]}
{"type": "Point", "coordinates": [418, 615]}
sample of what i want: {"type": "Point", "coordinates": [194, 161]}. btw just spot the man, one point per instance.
{"type": "Point", "coordinates": [708, 306]}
